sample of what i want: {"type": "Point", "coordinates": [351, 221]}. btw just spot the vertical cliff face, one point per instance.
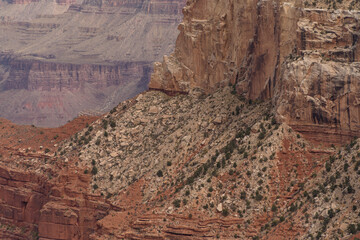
{"type": "Point", "coordinates": [37, 75]}
{"type": "Point", "coordinates": [318, 90]}
{"type": "Point", "coordinates": [306, 60]}
{"type": "Point", "coordinates": [58, 210]}
{"type": "Point", "coordinates": [40, 198]}
{"type": "Point", "coordinates": [50, 93]}
{"type": "Point", "coordinates": [241, 42]}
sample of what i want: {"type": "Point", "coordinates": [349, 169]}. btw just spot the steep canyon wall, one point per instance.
{"type": "Point", "coordinates": [241, 40]}
{"type": "Point", "coordinates": [318, 90]}
{"type": "Point", "coordinates": [59, 59]}
{"type": "Point", "coordinates": [305, 59]}
{"type": "Point", "coordinates": [33, 75]}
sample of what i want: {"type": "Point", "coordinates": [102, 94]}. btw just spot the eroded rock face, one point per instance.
{"type": "Point", "coordinates": [321, 96]}
{"type": "Point", "coordinates": [50, 210]}
{"type": "Point", "coordinates": [225, 41]}
{"type": "Point", "coordinates": [318, 91]}
{"type": "Point", "coordinates": [305, 59]}
{"type": "Point", "coordinates": [59, 59]}
{"type": "Point", "coordinates": [22, 196]}
{"type": "Point", "coordinates": [47, 76]}
{"type": "Point", "coordinates": [22, 1]}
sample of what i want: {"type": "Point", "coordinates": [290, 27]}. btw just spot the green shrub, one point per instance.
{"type": "Point", "coordinates": [243, 195]}
{"type": "Point", "coordinates": [273, 208]}
{"type": "Point", "coordinates": [351, 229]}
{"type": "Point", "coordinates": [176, 203]}
{"type": "Point", "coordinates": [159, 173]}
{"type": "Point", "coordinates": [94, 170]}
{"type": "Point", "coordinates": [225, 212]}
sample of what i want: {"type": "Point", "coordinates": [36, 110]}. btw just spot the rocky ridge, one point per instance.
{"type": "Point", "coordinates": [196, 166]}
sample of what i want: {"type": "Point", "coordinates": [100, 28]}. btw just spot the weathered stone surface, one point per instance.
{"type": "Point", "coordinates": [240, 42]}
{"type": "Point", "coordinates": [206, 166]}
{"type": "Point", "coordinates": [318, 91]}
{"type": "Point", "coordinates": [321, 99]}
{"type": "Point", "coordinates": [36, 203]}
{"type": "Point", "coordinates": [306, 60]}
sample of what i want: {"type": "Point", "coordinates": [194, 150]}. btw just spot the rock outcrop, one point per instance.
{"type": "Point", "coordinates": [318, 91]}
{"type": "Point", "coordinates": [306, 60]}
{"type": "Point", "coordinates": [206, 166]}
{"type": "Point", "coordinates": [50, 211]}
{"type": "Point", "coordinates": [39, 197]}
{"type": "Point", "coordinates": [222, 42]}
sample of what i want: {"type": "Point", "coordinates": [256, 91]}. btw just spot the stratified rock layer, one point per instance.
{"type": "Point", "coordinates": [59, 59]}
{"type": "Point", "coordinates": [55, 211]}
{"type": "Point", "coordinates": [318, 91]}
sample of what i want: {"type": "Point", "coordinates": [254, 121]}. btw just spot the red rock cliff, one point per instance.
{"type": "Point", "coordinates": [58, 210]}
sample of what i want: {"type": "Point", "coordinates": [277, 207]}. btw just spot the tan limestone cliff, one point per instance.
{"type": "Point", "coordinates": [305, 59]}
{"type": "Point", "coordinates": [240, 42]}
{"type": "Point", "coordinates": [318, 91]}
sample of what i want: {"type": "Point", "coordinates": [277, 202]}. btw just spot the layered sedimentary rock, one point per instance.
{"type": "Point", "coordinates": [22, 1]}
{"type": "Point", "coordinates": [318, 91]}
{"type": "Point", "coordinates": [305, 59]}
{"type": "Point", "coordinates": [65, 57]}
{"type": "Point", "coordinates": [50, 93]}
{"type": "Point", "coordinates": [148, 6]}
{"type": "Point", "coordinates": [39, 75]}
{"type": "Point", "coordinates": [57, 210]}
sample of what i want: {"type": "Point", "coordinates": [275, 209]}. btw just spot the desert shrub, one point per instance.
{"type": "Point", "coordinates": [94, 170]}
{"type": "Point", "coordinates": [159, 173]}
{"type": "Point", "coordinates": [176, 203]}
